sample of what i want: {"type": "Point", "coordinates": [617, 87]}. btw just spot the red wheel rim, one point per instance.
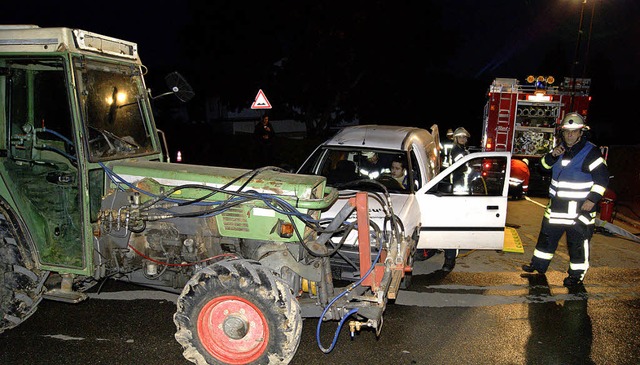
{"type": "Point", "coordinates": [233, 330]}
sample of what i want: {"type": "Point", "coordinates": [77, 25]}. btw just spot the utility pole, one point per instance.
{"type": "Point", "coordinates": [586, 51]}
{"type": "Point", "coordinates": [576, 55]}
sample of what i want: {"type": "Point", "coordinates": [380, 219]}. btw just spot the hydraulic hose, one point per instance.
{"type": "Point", "coordinates": [349, 289]}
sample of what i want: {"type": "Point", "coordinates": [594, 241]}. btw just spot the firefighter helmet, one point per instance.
{"type": "Point", "coordinates": [450, 133]}
{"type": "Point", "coordinates": [461, 132]}
{"type": "Point", "coordinates": [573, 121]}
{"type": "Point", "coordinates": [369, 155]}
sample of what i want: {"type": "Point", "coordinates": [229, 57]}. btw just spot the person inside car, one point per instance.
{"type": "Point", "coordinates": [399, 172]}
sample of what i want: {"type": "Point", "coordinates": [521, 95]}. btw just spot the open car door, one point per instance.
{"type": "Point", "coordinates": [465, 206]}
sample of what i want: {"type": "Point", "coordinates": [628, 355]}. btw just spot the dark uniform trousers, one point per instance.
{"type": "Point", "coordinates": [578, 238]}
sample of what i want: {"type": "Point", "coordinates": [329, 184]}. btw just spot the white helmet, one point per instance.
{"type": "Point", "coordinates": [461, 132]}
{"type": "Point", "coordinates": [573, 121]}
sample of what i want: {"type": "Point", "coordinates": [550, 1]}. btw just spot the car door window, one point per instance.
{"type": "Point", "coordinates": [481, 176]}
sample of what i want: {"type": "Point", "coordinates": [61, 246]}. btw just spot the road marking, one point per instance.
{"type": "Point", "coordinates": [135, 295]}
{"type": "Point", "coordinates": [439, 300]}
{"type": "Point", "coordinates": [408, 298]}
{"type": "Point", "coordinates": [65, 337]}
{"type": "Point", "coordinates": [534, 202]}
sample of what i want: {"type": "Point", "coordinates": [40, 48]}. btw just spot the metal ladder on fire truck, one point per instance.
{"type": "Point", "coordinates": [506, 108]}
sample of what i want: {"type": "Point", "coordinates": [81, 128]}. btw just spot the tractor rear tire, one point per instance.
{"type": "Point", "coordinates": [239, 312]}
{"type": "Point", "coordinates": [21, 284]}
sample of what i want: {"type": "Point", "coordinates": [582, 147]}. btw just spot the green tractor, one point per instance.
{"type": "Point", "coordinates": [87, 193]}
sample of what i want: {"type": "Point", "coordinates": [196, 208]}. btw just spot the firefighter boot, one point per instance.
{"type": "Point", "coordinates": [531, 268]}
{"type": "Point", "coordinates": [571, 281]}
{"type": "Point", "coordinates": [449, 264]}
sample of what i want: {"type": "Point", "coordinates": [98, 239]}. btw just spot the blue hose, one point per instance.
{"type": "Point", "coordinates": [352, 311]}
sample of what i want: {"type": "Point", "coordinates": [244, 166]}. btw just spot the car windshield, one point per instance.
{"type": "Point", "coordinates": [113, 110]}
{"type": "Point", "coordinates": [353, 168]}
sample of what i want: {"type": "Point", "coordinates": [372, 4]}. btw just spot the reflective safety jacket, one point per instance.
{"type": "Point", "coordinates": [446, 153]}
{"type": "Point", "coordinates": [460, 176]}
{"type": "Point", "coordinates": [458, 152]}
{"type": "Point", "coordinates": [520, 174]}
{"type": "Point", "coordinates": [577, 175]}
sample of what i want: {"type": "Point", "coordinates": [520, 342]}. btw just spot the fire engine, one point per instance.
{"type": "Point", "coordinates": [522, 118]}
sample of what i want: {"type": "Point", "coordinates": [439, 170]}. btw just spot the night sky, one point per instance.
{"type": "Point", "coordinates": [474, 41]}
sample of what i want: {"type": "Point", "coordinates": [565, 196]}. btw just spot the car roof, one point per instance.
{"type": "Point", "coordinates": [379, 136]}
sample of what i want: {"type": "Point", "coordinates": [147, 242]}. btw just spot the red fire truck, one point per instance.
{"type": "Point", "coordinates": [522, 118]}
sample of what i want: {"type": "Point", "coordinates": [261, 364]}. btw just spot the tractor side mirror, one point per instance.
{"type": "Point", "coordinates": [178, 86]}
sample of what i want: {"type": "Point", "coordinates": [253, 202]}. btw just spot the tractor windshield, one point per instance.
{"type": "Point", "coordinates": [113, 110]}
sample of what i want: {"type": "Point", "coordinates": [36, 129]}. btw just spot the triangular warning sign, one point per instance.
{"type": "Point", "coordinates": [261, 101]}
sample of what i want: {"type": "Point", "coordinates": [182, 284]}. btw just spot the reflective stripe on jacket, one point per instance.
{"type": "Point", "coordinates": [577, 175]}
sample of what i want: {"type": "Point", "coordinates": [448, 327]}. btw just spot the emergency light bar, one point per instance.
{"type": "Point", "coordinates": [539, 97]}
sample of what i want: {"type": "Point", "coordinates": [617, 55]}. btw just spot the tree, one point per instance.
{"type": "Point", "coordinates": [322, 62]}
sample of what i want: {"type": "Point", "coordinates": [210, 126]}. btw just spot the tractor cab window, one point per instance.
{"type": "Point", "coordinates": [114, 111]}
{"type": "Point", "coordinates": [39, 119]}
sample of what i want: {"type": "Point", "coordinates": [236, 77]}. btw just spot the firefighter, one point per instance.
{"type": "Point", "coordinates": [459, 150]}
{"type": "Point", "coordinates": [446, 149]}
{"type": "Point", "coordinates": [519, 178]}
{"type": "Point", "coordinates": [579, 179]}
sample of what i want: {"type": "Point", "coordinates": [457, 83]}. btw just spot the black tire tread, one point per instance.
{"type": "Point", "coordinates": [21, 285]}
{"type": "Point", "coordinates": [260, 284]}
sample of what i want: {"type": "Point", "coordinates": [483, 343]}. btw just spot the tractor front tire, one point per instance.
{"type": "Point", "coordinates": [21, 284]}
{"type": "Point", "coordinates": [238, 312]}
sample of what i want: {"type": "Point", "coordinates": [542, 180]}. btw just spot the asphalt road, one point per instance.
{"type": "Point", "coordinates": [484, 312]}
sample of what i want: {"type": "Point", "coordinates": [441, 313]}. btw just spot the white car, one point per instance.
{"type": "Point", "coordinates": [463, 206]}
